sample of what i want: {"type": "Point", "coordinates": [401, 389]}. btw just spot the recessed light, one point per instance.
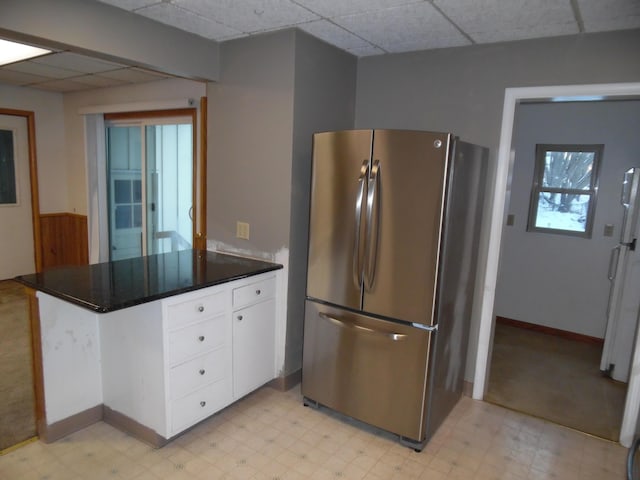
{"type": "Point", "coordinates": [11, 52]}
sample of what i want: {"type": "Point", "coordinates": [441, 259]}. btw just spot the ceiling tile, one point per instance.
{"type": "Point", "coordinates": [600, 16]}
{"type": "Point", "coordinates": [366, 51]}
{"type": "Point", "coordinates": [76, 62]}
{"type": "Point", "coordinates": [250, 15]}
{"type": "Point", "coordinates": [421, 24]}
{"type": "Point", "coordinates": [340, 8]}
{"type": "Point", "coordinates": [41, 69]}
{"type": "Point", "coordinates": [98, 81]}
{"type": "Point", "coordinates": [189, 21]}
{"type": "Point", "coordinates": [13, 77]}
{"type": "Point", "coordinates": [62, 86]}
{"type": "Point", "coordinates": [333, 34]}
{"type": "Point", "coordinates": [132, 75]}
{"type": "Point", "coordinates": [498, 21]}
{"type": "Point", "coordinates": [130, 4]}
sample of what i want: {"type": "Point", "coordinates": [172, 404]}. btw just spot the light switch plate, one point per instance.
{"type": "Point", "coordinates": [242, 230]}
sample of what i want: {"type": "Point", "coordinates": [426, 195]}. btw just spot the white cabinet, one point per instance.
{"type": "Point", "coordinates": [197, 333]}
{"type": "Point", "coordinates": [253, 336]}
{"type": "Point", "coordinates": [171, 363]}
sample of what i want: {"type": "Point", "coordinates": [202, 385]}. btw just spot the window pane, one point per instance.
{"type": "Point", "coordinates": [562, 211]}
{"type": "Point", "coordinates": [137, 191]}
{"type": "Point", "coordinates": [137, 215]}
{"type": "Point", "coordinates": [7, 168]}
{"type": "Point", "coordinates": [123, 216]}
{"type": "Point", "coordinates": [122, 191]}
{"type": "Point", "coordinates": [571, 170]}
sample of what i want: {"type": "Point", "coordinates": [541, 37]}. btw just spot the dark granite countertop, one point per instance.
{"type": "Point", "coordinates": [105, 287]}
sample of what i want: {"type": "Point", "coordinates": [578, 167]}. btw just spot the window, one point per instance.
{"type": "Point", "coordinates": [565, 184]}
{"type": "Point", "coordinates": [7, 169]}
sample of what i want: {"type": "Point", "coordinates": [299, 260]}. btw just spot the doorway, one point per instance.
{"type": "Point", "coordinates": [19, 215]}
{"type": "Point", "coordinates": [150, 192]}
{"type": "Point", "coordinates": [514, 96]}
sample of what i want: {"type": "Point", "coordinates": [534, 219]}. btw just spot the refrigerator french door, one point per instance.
{"type": "Point", "coordinates": [624, 275]}
{"type": "Point", "coordinates": [382, 310]}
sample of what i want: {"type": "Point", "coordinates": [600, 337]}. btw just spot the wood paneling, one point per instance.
{"type": "Point", "coordinates": [64, 239]}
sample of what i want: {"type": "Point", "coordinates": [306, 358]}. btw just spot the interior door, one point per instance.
{"type": "Point", "coordinates": [339, 181]}
{"type": "Point", "coordinates": [407, 189]}
{"type": "Point", "coordinates": [15, 198]}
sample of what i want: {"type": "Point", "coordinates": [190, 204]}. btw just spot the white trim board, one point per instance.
{"type": "Point", "coordinates": [512, 97]}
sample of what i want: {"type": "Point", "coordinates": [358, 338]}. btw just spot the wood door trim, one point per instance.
{"type": "Point", "coordinates": [36, 353]}
{"type": "Point", "coordinates": [33, 179]}
{"type": "Point", "coordinates": [199, 195]}
{"type": "Point", "coordinates": [200, 217]}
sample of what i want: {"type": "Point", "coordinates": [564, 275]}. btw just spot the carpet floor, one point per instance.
{"type": "Point", "coordinates": [17, 403]}
{"type": "Point", "coordinates": [555, 379]}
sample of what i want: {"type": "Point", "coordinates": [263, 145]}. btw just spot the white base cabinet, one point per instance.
{"type": "Point", "coordinates": [171, 363]}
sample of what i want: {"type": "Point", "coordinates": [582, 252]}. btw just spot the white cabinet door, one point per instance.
{"type": "Point", "coordinates": [253, 347]}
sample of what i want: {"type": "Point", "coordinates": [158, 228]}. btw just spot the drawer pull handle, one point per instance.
{"type": "Point", "coordinates": [239, 317]}
{"type": "Point", "coordinates": [203, 403]}
{"type": "Point", "coordinates": [201, 338]}
{"type": "Point", "coordinates": [201, 308]}
{"type": "Point", "coordinates": [201, 371]}
{"type": "Point", "coordinates": [258, 292]}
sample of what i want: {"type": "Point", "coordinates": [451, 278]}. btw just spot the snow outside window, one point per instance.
{"type": "Point", "coordinates": [565, 183]}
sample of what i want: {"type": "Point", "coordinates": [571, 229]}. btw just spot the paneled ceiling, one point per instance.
{"type": "Point", "coordinates": [361, 27]}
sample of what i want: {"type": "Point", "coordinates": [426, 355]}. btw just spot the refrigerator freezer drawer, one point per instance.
{"type": "Point", "coordinates": [369, 369]}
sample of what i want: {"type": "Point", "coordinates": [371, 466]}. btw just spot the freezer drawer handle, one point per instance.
{"type": "Point", "coordinates": [362, 183]}
{"type": "Point", "coordinates": [353, 326]}
{"type": "Point", "coordinates": [613, 262]}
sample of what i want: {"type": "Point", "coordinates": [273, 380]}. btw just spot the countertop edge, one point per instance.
{"type": "Point", "coordinates": [151, 298]}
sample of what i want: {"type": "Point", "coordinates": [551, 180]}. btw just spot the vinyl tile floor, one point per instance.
{"type": "Point", "coordinates": [556, 379]}
{"type": "Point", "coordinates": [270, 435]}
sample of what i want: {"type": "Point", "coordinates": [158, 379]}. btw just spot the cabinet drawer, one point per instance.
{"type": "Point", "coordinates": [198, 405]}
{"type": "Point", "coordinates": [197, 338]}
{"type": "Point", "coordinates": [194, 374]}
{"type": "Point", "coordinates": [196, 309]}
{"type": "Point", "coordinates": [254, 292]}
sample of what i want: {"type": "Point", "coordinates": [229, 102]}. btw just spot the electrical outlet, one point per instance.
{"type": "Point", "coordinates": [511, 218]}
{"type": "Point", "coordinates": [242, 230]}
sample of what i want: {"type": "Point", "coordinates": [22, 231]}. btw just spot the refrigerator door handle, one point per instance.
{"type": "Point", "coordinates": [613, 262]}
{"type": "Point", "coordinates": [373, 203]}
{"type": "Point", "coordinates": [357, 265]}
{"type": "Point", "coordinates": [341, 323]}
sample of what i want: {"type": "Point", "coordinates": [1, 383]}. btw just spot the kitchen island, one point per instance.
{"type": "Point", "coordinates": [151, 345]}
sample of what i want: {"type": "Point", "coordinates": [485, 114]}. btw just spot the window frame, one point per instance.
{"type": "Point", "coordinates": [538, 188]}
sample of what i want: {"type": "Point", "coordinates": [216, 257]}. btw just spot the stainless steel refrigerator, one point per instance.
{"type": "Point", "coordinates": [393, 236]}
{"type": "Point", "coordinates": [624, 274]}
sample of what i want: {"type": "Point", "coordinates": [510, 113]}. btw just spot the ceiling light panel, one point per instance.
{"type": "Point", "coordinates": [189, 21]}
{"type": "Point", "coordinates": [498, 21]}
{"type": "Point", "coordinates": [132, 75]}
{"type": "Point", "coordinates": [250, 15]}
{"type": "Point", "coordinates": [421, 26]}
{"type": "Point", "coordinates": [601, 16]}
{"type": "Point", "coordinates": [11, 52]}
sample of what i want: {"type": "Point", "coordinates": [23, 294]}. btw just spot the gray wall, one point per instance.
{"type": "Point", "coordinates": [249, 143]}
{"type": "Point", "coordinates": [325, 89]}
{"type": "Point", "coordinates": [275, 90]}
{"type": "Point", "coordinates": [557, 280]}
{"type": "Point", "coordinates": [109, 33]}
{"type": "Point", "coordinates": [462, 90]}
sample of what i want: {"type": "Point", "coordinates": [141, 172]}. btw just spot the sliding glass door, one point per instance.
{"type": "Point", "coordinates": [150, 185]}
